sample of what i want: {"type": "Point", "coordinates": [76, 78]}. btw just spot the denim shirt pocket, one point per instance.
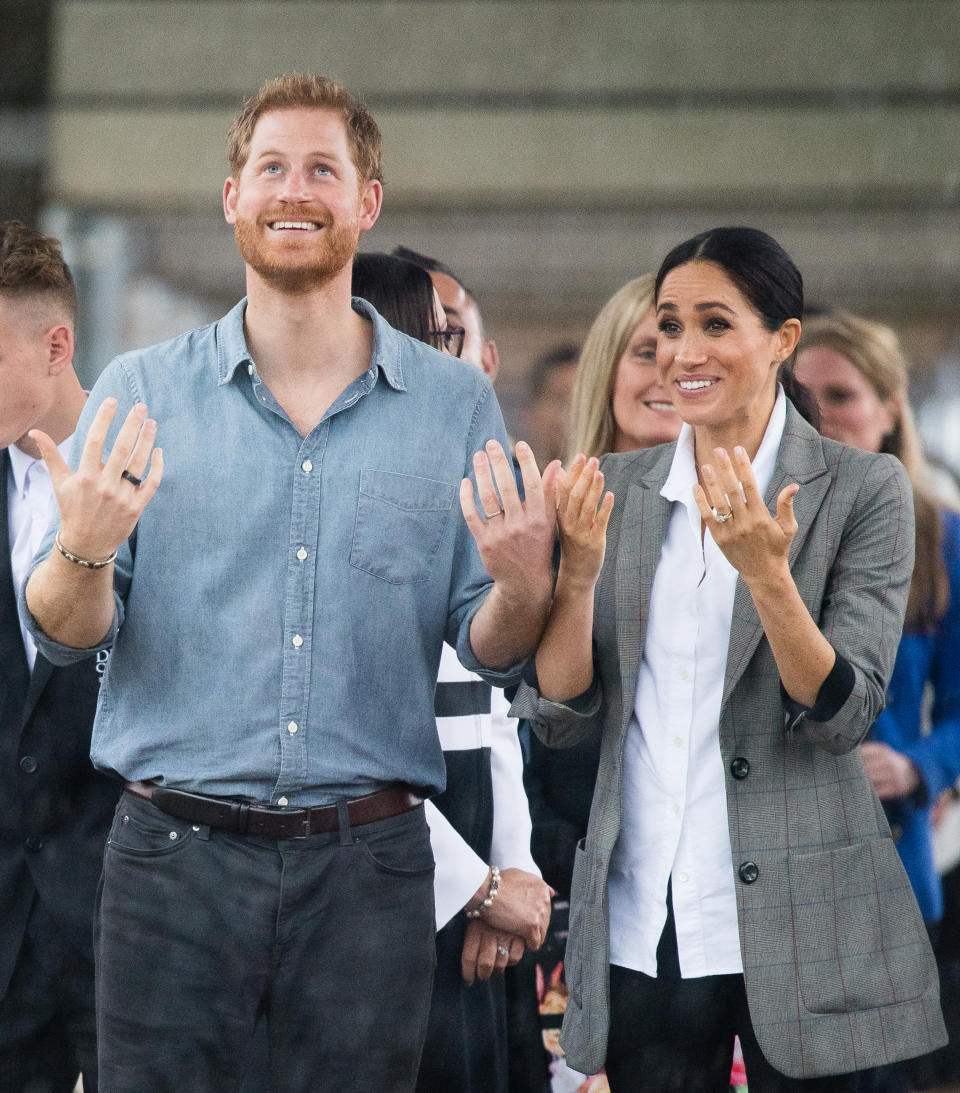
{"type": "Point", "coordinates": [401, 520]}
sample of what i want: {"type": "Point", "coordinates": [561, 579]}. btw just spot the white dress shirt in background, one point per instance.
{"type": "Point", "coordinates": [31, 505]}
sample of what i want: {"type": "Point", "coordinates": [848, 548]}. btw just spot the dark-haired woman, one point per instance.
{"type": "Point", "coordinates": [404, 295]}
{"type": "Point", "coordinates": [733, 649]}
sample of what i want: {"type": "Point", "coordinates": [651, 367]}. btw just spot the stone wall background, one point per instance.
{"type": "Point", "coordinates": [547, 151]}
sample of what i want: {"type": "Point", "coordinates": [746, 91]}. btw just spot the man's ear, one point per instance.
{"type": "Point", "coordinates": [58, 341]}
{"type": "Point", "coordinates": [230, 200]}
{"type": "Point", "coordinates": [490, 359]}
{"type": "Point", "coordinates": [371, 201]}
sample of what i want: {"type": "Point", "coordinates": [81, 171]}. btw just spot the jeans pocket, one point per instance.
{"type": "Point", "coordinates": [401, 520]}
{"type": "Point", "coordinates": [140, 828]}
{"type": "Point", "coordinates": [399, 847]}
{"type": "Point", "coordinates": [860, 939]}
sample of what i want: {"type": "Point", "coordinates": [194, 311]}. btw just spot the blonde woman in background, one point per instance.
{"type": "Point", "coordinates": [858, 374]}
{"type": "Point", "coordinates": [618, 403]}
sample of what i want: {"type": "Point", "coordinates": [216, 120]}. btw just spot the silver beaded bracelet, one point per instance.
{"type": "Point", "coordinates": [84, 562]}
{"type": "Point", "coordinates": [491, 895]}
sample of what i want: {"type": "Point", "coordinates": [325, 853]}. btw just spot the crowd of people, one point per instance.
{"type": "Point", "coordinates": [348, 744]}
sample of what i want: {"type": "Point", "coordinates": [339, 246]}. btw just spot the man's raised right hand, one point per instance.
{"type": "Point", "coordinates": [99, 508]}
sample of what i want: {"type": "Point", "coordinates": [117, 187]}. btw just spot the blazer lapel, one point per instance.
{"type": "Point", "coordinates": [13, 659]}
{"type": "Point", "coordinates": [643, 527]}
{"type": "Point", "coordinates": [799, 460]}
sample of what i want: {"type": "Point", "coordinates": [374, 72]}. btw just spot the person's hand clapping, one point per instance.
{"type": "Point", "coordinates": [583, 512]}
{"type": "Point", "coordinates": [755, 543]}
{"type": "Point", "coordinates": [514, 537]}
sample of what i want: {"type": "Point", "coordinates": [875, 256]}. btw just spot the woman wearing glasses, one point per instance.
{"type": "Point", "coordinates": [404, 295]}
{"type": "Point", "coordinates": [733, 648]}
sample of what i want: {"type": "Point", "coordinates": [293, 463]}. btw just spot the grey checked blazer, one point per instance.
{"type": "Point", "coordinates": [838, 969]}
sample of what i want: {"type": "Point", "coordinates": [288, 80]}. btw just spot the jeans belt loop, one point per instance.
{"type": "Point", "coordinates": [343, 815]}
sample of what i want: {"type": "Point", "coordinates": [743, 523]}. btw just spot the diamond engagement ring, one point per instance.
{"type": "Point", "coordinates": [503, 950]}
{"type": "Point", "coordinates": [723, 517]}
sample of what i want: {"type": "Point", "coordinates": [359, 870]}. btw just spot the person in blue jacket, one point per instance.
{"type": "Point", "coordinates": [858, 373]}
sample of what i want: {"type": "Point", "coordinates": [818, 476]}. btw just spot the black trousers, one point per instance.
{"type": "Point", "coordinates": [674, 1035]}
{"type": "Point", "coordinates": [47, 1026]}
{"type": "Point", "coordinates": [327, 942]}
{"type": "Point", "coordinates": [466, 1046]}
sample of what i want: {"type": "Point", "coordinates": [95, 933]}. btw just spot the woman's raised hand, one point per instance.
{"type": "Point", "coordinates": [755, 543]}
{"type": "Point", "coordinates": [583, 512]}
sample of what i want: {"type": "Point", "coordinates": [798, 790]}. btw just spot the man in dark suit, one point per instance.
{"type": "Point", "coordinates": [55, 810]}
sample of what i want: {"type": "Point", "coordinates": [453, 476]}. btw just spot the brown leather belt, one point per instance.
{"type": "Point", "coordinates": [274, 823]}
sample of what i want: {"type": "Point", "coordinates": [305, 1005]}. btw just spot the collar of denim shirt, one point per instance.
{"type": "Point", "coordinates": [232, 348]}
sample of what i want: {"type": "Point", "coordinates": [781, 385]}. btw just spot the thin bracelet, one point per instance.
{"type": "Point", "coordinates": [487, 903]}
{"type": "Point", "coordinates": [84, 562]}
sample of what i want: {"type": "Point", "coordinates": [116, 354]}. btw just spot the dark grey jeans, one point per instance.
{"type": "Point", "coordinates": [200, 933]}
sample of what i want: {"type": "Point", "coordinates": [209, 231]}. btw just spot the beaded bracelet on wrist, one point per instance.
{"type": "Point", "coordinates": [487, 902]}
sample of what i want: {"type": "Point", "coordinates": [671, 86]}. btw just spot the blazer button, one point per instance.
{"type": "Point", "coordinates": [749, 872]}
{"type": "Point", "coordinates": [28, 764]}
{"type": "Point", "coordinates": [33, 843]}
{"type": "Point", "coordinates": [739, 767]}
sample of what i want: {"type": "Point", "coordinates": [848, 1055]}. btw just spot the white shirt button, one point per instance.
{"type": "Point", "coordinates": [292, 727]}
{"type": "Point", "coordinates": [676, 809]}
{"type": "Point", "coordinates": [282, 802]}
{"type": "Point", "coordinates": [683, 673]}
{"type": "Point", "coordinates": [249, 369]}
{"type": "Point", "coordinates": [683, 878]}
{"type": "Point", "coordinates": [678, 741]}
{"type": "Point", "coordinates": [307, 466]}
{"type": "Point", "coordinates": [297, 641]}
{"type": "Point", "coordinates": [301, 555]}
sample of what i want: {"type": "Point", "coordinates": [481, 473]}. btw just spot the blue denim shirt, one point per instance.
{"type": "Point", "coordinates": [281, 606]}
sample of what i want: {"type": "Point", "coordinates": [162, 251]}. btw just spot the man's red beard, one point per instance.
{"type": "Point", "coordinates": [288, 265]}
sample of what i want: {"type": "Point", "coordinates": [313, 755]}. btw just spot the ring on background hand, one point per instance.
{"type": "Point", "coordinates": [131, 478]}
{"type": "Point", "coordinates": [491, 515]}
{"type": "Point", "coordinates": [723, 517]}
{"type": "Point", "coordinates": [503, 950]}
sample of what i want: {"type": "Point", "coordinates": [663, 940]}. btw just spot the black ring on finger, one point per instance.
{"type": "Point", "coordinates": [130, 477]}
